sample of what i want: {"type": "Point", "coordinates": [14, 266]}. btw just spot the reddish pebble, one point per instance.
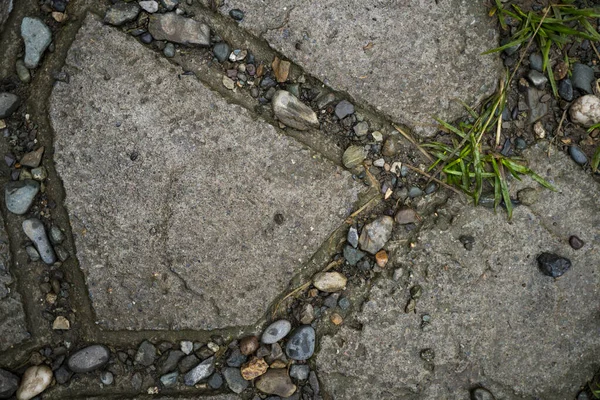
{"type": "Point", "coordinates": [382, 258]}
{"type": "Point", "coordinates": [248, 345]}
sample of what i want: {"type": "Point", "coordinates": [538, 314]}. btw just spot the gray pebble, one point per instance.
{"type": "Point", "coordinates": [62, 375]}
{"type": "Point", "coordinates": [431, 187]}
{"type": "Point", "coordinates": [276, 331]}
{"type": "Point", "coordinates": [186, 346]}
{"type": "Point", "coordinates": [301, 344]}
{"type": "Point", "coordinates": [300, 372]}
{"type": "Point", "coordinates": [234, 379]}
{"type": "Point", "coordinates": [37, 37]}
{"type": "Point", "coordinates": [236, 359]}
{"type": "Point", "coordinates": [415, 192]}
{"type": "Point", "coordinates": [136, 381]}
{"type": "Point", "coordinates": [169, 379]}
{"type": "Point", "coordinates": [553, 265]}
{"type": "Point", "coordinates": [215, 381]}
{"type": "Point", "coordinates": [352, 255]}
{"type": "Point", "coordinates": [34, 229]}
{"type": "Point", "coordinates": [344, 303]}
{"type": "Point", "coordinates": [89, 358]}
{"type": "Point", "coordinates": [565, 89]}
{"type": "Point", "coordinates": [582, 77]}
{"type": "Point", "coordinates": [22, 71]}
{"type": "Point", "coordinates": [8, 104]}
{"type": "Point", "coordinates": [56, 235]}
{"type": "Point", "coordinates": [32, 253]}
{"type": "Point", "coordinates": [221, 51]}
{"type": "Point", "coordinates": [19, 195]}
{"type": "Point", "coordinates": [236, 14]}
{"type": "Point", "coordinates": [538, 79]}
{"type": "Point", "coordinates": [169, 4]}
{"type": "Point", "coordinates": [520, 143]}
{"type": "Point", "coordinates": [8, 384]}
{"type": "Point", "coordinates": [199, 372]}
{"type": "Point", "coordinates": [120, 13]}
{"type": "Point", "coordinates": [146, 38]}
{"type": "Point", "coordinates": [146, 354]}
{"type": "Point", "coordinates": [106, 378]}
{"type": "Point", "coordinates": [169, 50]}
{"type": "Point", "coordinates": [481, 394]}
{"type": "Point", "coordinates": [361, 129]}
{"type": "Point", "coordinates": [150, 6]}
{"type": "Point", "coordinates": [577, 155]}
{"type": "Point", "coordinates": [353, 236]}
{"type": "Point", "coordinates": [536, 62]}
{"type": "Point", "coordinates": [343, 109]}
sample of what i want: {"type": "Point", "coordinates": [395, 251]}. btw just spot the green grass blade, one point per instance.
{"type": "Point", "coordinates": [450, 127]}
{"type": "Point", "coordinates": [596, 160]}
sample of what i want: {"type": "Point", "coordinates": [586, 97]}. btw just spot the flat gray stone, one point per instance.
{"type": "Point", "coordinates": [36, 232]}
{"type": "Point", "coordinates": [8, 104]}
{"type": "Point", "coordinates": [120, 13]}
{"type": "Point", "coordinates": [89, 358]}
{"type": "Point", "coordinates": [184, 233]}
{"type": "Point", "coordinates": [19, 195]}
{"type": "Point", "coordinates": [37, 37]}
{"type": "Point", "coordinates": [12, 315]}
{"type": "Point", "coordinates": [178, 29]}
{"type": "Point", "coordinates": [200, 372]}
{"type": "Point", "coordinates": [496, 319]}
{"type": "Point", "coordinates": [409, 59]}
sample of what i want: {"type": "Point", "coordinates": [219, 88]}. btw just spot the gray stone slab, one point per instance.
{"type": "Point", "coordinates": [12, 315]}
{"type": "Point", "coordinates": [497, 321]}
{"type": "Point", "coordinates": [407, 58]}
{"type": "Point", "coordinates": [172, 192]}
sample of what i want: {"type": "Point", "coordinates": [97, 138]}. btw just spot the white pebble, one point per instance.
{"type": "Point", "coordinates": [35, 380]}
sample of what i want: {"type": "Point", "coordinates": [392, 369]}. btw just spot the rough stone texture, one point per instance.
{"type": "Point", "coordinates": [172, 192]}
{"type": "Point", "coordinates": [178, 29]}
{"type": "Point", "coordinates": [12, 315]}
{"type": "Point", "coordinates": [5, 9]}
{"type": "Point", "coordinates": [497, 321]}
{"type": "Point", "coordinates": [423, 53]}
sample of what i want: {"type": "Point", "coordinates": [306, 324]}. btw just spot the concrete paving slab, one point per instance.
{"type": "Point", "coordinates": [496, 320]}
{"type": "Point", "coordinates": [409, 59]}
{"type": "Point", "coordinates": [5, 9]}
{"type": "Point", "coordinates": [187, 212]}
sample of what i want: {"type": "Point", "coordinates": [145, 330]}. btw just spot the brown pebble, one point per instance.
{"type": "Point", "coordinates": [575, 242]}
{"type": "Point", "coordinates": [406, 216]}
{"type": "Point", "coordinates": [390, 147]}
{"type": "Point", "coordinates": [281, 69]}
{"type": "Point", "coordinates": [336, 319]}
{"type": "Point", "coordinates": [248, 345]}
{"type": "Point", "coordinates": [33, 159]}
{"type": "Point", "coordinates": [382, 258]}
{"type": "Point", "coordinates": [278, 364]}
{"type": "Point", "coordinates": [254, 368]}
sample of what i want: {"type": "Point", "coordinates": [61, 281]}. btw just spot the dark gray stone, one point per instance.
{"type": "Point", "coordinates": [236, 14]}
{"type": "Point", "coordinates": [170, 362]}
{"type": "Point", "coordinates": [22, 71]}
{"type": "Point", "coordinates": [19, 195]}
{"type": "Point", "coordinates": [221, 51]}
{"type": "Point", "coordinates": [376, 234]}
{"type": "Point", "coordinates": [236, 358]}
{"type": "Point", "coordinates": [577, 155]}
{"type": "Point", "coordinates": [8, 384]}
{"type": "Point", "coordinates": [276, 331]}
{"type": "Point", "coordinates": [215, 381]}
{"type": "Point", "coordinates": [169, 5]}
{"type": "Point", "coordinates": [553, 265]}
{"type": "Point", "coordinates": [537, 79]}
{"type": "Point", "coordinates": [8, 104]}
{"type": "Point", "coordinates": [300, 372]}
{"type": "Point", "coordinates": [62, 375]}
{"type": "Point", "coordinates": [536, 62]}
{"type": "Point", "coordinates": [482, 394]}
{"type": "Point", "coordinates": [146, 354]}
{"type": "Point", "coordinates": [301, 344]}
{"type": "Point", "coordinates": [178, 29]}
{"type": "Point", "coordinates": [187, 363]}
{"type": "Point", "coordinates": [415, 192]}
{"type": "Point", "coordinates": [234, 380]}
{"type": "Point", "coordinates": [170, 379]}
{"type": "Point", "coordinates": [89, 358]}
{"type": "Point", "coordinates": [537, 109]}
{"type": "Point", "coordinates": [169, 50]}
{"type": "Point", "coordinates": [352, 255]}
{"type": "Point", "coordinates": [343, 109]}
{"type": "Point", "coordinates": [565, 89]}
{"type": "Point", "coordinates": [35, 231]}
{"type": "Point", "coordinates": [582, 77]}
{"type": "Point", "coordinates": [200, 372]}
{"type": "Point", "coordinates": [37, 38]}
{"type": "Point", "coordinates": [120, 13]}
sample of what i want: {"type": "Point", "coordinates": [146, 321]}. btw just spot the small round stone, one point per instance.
{"type": "Point", "coordinates": [89, 358]}
{"type": "Point", "coordinates": [577, 155]}
{"type": "Point", "coordinates": [553, 265]}
{"type": "Point", "coordinates": [330, 282]}
{"type": "Point", "coordinates": [301, 344]}
{"type": "Point", "coordinates": [236, 14]}
{"type": "Point", "coordinates": [248, 345]}
{"type": "Point", "coordinates": [221, 51]}
{"type": "Point", "coordinates": [169, 50]}
{"type": "Point", "coordinates": [300, 372]}
{"type": "Point", "coordinates": [276, 331]}
{"type": "Point", "coordinates": [575, 242]}
{"type": "Point", "coordinates": [106, 378]}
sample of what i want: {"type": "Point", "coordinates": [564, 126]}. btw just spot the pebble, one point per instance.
{"type": "Point", "coordinates": [39, 173]}
{"type": "Point", "coordinates": [528, 196]}
{"type": "Point", "coordinates": [536, 62]}
{"type": "Point", "coordinates": [221, 51]}
{"type": "Point", "coordinates": [234, 380]}
{"type": "Point", "coordinates": [169, 50]}
{"type": "Point", "coordinates": [343, 109]}
{"type": "Point", "coordinates": [354, 156]}
{"type": "Point", "coordinates": [482, 394]}
{"type": "Point", "coordinates": [146, 354]}
{"type": "Point", "coordinates": [150, 6]}
{"type": "Point", "coordinates": [352, 255]}
{"type": "Point", "coordinates": [585, 110]}
{"type": "Point", "coordinates": [238, 55]}
{"type": "Point", "coordinates": [325, 100]}
{"type": "Point", "coordinates": [538, 79]}
{"type": "Point", "coordinates": [520, 143]}
{"type": "Point", "coordinates": [228, 82]}
{"type": "Point", "coordinates": [277, 382]}
{"type": "Point", "coordinates": [376, 234]}
{"type": "Point", "coordinates": [34, 229]}
{"type": "Point", "coordinates": [146, 38]}
{"type": "Point", "coordinates": [329, 282]}
{"type": "Point", "coordinates": [32, 253]}
{"type": "Point", "coordinates": [292, 112]}
{"type": "Point", "coordinates": [170, 379]}
{"type": "Point", "coordinates": [576, 243]}
{"type": "Point", "coordinates": [537, 108]}
{"type": "Point", "coordinates": [344, 303]}
{"type": "Point", "coordinates": [300, 372]}
{"type": "Point", "coordinates": [406, 216]}
{"type": "Point", "coordinates": [553, 265]}
{"type": "Point", "coordinates": [169, 5]}
{"type": "Point", "coordinates": [380, 162]}
{"type": "Point", "coordinates": [8, 104]}
{"type": "Point", "coordinates": [33, 158]}
{"type": "Point", "coordinates": [254, 368]}
{"type": "Point", "coordinates": [19, 195]}
{"type": "Point", "coordinates": [120, 13]}
{"type": "Point", "coordinates": [215, 381]}
{"type": "Point", "coordinates": [427, 355]}
{"type": "Point", "coordinates": [381, 257]}
{"type": "Point", "coordinates": [107, 378]}
{"type": "Point", "coordinates": [307, 315]}
{"type": "Point", "coordinates": [577, 155]}
{"type": "Point", "coordinates": [281, 69]}
{"type": "Point", "coordinates": [361, 129]}
{"type": "Point", "coordinates": [565, 89]}
{"type": "Point", "coordinates": [61, 324]}
{"type": "Point", "coordinates": [89, 358]}
{"type": "Point", "coordinates": [414, 192]}
{"type": "Point", "coordinates": [236, 358]}
{"type": "Point", "coordinates": [37, 37]}
{"type": "Point", "coordinates": [391, 146]}
{"type": "Point", "coordinates": [352, 236]}
{"type": "Point", "coordinates": [199, 372]}
{"type": "Point", "coordinates": [136, 381]}
{"type": "Point", "coordinates": [187, 363]}
{"type": "Point", "coordinates": [276, 331]}
{"type": "Point", "coordinates": [186, 346]}
{"type": "Point", "coordinates": [431, 188]}
{"type": "Point", "coordinates": [22, 71]}
{"type": "Point", "coordinates": [248, 345]}
{"type": "Point", "coordinates": [8, 384]}
{"type": "Point", "coordinates": [301, 344]}
{"type": "Point", "coordinates": [178, 29]}
{"type": "Point", "coordinates": [236, 14]}
{"type": "Point", "coordinates": [336, 319]}
{"type": "Point", "coordinates": [582, 77]}
{"type": "Point", "coordinates": [267, 82]}
{"type": "Point", "coordinates": [35, 380]}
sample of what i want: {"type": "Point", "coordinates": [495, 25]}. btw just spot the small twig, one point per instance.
{"type": "Point", "coordinates": [355, 213]}
{"type": "Point", "coordinates": [414, 142]}
{"type": "Point", "coordinates": [557, 131]}
{"type": "Point", "coordinates": [425, 174]}
{"type": "Point", "coordinates": [595, 50]}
